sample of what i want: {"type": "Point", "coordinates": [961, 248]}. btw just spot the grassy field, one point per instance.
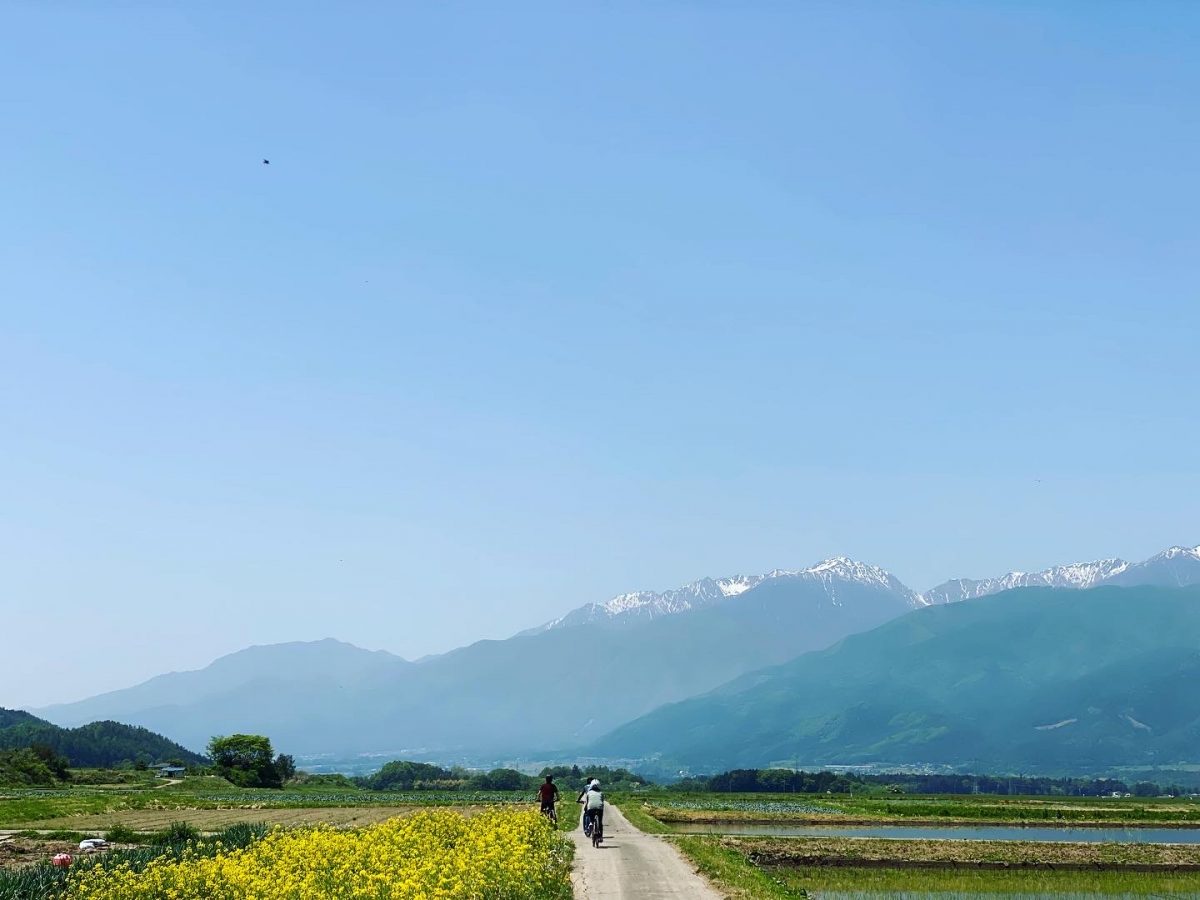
{"type": "Point", "coordinates": [877, 883]}
{"type": "Point", "coordinates": [97, 806]}
{"type": "Point", "coordinates": [215, 819]}
{"type": "Point", "coordinates": [40, 822]}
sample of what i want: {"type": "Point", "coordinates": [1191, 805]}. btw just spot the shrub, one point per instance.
{"type": "Point", "coordinates": [175, 834]}
{"type": "Point", "coordinates": [121, 834]}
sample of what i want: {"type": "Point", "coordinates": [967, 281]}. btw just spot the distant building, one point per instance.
{"type": "Point", "coordinates": [166, 771]}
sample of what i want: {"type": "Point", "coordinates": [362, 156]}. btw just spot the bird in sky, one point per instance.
{"type": "Point", "coordinates": [266, 162]}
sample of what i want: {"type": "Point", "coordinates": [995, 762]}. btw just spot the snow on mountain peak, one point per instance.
{"type": "Point", "coordinates": [709, 591]}
{"type": "Point", "coordinates": [1177, 552]}
{"type": "Point", "coordinates": [843, 567]}
{"type": "Point", "coordinates": [1174, 566]}
{"type": "Point", "coordinates": [739, 584]}
{"type": "Point", "coordinates": [1075, 575]}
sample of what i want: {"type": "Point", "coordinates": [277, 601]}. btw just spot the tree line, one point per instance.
{"type": "Point", "coordinates": [787, 781]}
{"type": "Point", "coordinates": [403, 775]}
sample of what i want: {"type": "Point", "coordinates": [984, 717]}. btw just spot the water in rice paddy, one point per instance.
{"type": "Point", "coordinates": [975, 895]}
{"type": "Point", "coordinates": [957, 832]}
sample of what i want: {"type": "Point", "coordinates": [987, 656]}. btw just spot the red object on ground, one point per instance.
{"type": "Point", "coordinates": [62, 860]}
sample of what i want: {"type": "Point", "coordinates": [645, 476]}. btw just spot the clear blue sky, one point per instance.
{"type": "Point", "coordinates": [536, 304]}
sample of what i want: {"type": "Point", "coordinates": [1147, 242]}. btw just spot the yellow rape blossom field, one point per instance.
{"type": "Point", "coordinates": [433, 855]}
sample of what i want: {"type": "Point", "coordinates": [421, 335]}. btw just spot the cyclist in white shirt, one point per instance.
{"type": "Point", "coordinates": [593, 805]}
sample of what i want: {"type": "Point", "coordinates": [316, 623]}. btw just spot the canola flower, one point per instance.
{"type": "Point", "coordinates": [433, 855]}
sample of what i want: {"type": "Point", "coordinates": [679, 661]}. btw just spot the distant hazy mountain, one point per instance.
{"type": "Point", "coordinates": [710, 591]}
{"type": "Point", "coordinates": [561, 687]}
{"type": "Point", "coordinates": [278, 671]}
{"type": "Point", "coordinates": [1176, 567]}
{"type": "Point", "coordinates": [1034, 679]}
{"type": "Point", "coordinates": [95, 744]}
{"type": "Point", "coordinates": [531, 693]}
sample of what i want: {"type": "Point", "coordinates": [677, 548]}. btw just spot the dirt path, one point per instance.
{"type": "Point", "coordinates": [632, 864]}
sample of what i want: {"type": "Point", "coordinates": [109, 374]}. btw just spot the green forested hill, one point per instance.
{"type": "Point", "coordinates": [95, 744]}
{"type": "Point", "coordinates": [1033, 680]}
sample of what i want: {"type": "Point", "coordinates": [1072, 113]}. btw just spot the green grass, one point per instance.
{"type": "Point", "coordinates": [640, 818]}
{"type": "Point", "coordinates": [568, 812]}
{"type": "Point", "coordinates": [738, 878]}
{"type": "Point", "coordinates": [26, 807]}
{"type": "Point", "coordinates": [921, 882]}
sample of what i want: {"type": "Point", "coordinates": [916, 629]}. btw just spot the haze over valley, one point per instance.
{"type": "Point", "coordinates": [493, 700]}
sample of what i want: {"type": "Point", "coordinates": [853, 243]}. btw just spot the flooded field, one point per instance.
{"type": "Point", "coordinates": [1051, 834]}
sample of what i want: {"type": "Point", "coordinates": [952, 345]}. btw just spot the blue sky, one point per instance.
{"type": "Point", "coordinates": [538, 303]}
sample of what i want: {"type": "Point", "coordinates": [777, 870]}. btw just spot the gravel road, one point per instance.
{"type": "Point", "coordinates": [631, 864]}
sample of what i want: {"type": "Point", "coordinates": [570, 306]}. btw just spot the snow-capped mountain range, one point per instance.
{"type": "Point", "coordinates": [1176, 566]}
{"type": "Point", "coordinates": [830, 573]}
{"type": "Point", "coordinates": [1076, 575]}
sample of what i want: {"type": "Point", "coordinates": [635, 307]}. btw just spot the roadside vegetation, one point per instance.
{"type": "Point", "coordinates": [44, 881]}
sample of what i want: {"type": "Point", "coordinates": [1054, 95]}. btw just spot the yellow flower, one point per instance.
{"type": "Point", "coordinates": [432, 855]}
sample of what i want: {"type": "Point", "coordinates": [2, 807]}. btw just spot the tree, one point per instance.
{"type": "Point", "coordinates": [285, 767]}
{"type": "Point", "coordinates": [55, 762]}
{"type": "Point", "coordinates": [504, 780]}
{"type": "Point", "coordinates": [23, 767]}
{"type": "Point", "coordinates": [403, 775]}
{"type": "Point", "coordinates": [244, 759]}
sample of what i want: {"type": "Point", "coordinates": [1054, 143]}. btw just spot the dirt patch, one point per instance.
{"type": "Point", "coordinates": [18, 853]}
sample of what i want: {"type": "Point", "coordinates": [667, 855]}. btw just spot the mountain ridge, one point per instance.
{"type": "Point", "coordinates": [1028, 678]}
{"type": "Point", "coordinates": [707, 591]}
{"type": "Point", "coordinates": [495, 697]}
{"type": "Point", "coordinates": [648, 604]}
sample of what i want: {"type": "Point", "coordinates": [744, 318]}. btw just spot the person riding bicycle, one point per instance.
{"type": "Point", "coordinates": [582, 798]}
{"type": "Point", "coordinates": [593, 807]}
{"type": "Point", "coordinates": [548, 795]}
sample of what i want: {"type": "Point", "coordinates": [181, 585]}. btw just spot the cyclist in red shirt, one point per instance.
{"type": "Point", "coordinates": [548, 795]}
